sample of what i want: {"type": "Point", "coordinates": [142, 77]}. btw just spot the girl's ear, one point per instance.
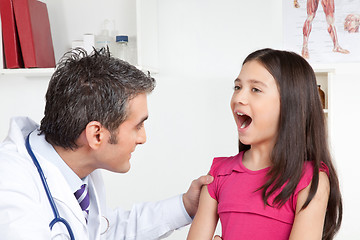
{"type": "Point", "coordinates": [95, 134]}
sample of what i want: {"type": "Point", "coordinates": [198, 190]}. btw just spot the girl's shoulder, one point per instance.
{"type": "Point", "coordinates": [308, 169]}
{"type": "Point", "coordinates": [307, 175]}
{"type": "Point", "coordinates": [222, 166]}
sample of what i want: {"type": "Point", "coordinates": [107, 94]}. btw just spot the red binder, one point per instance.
{"type": "Point", "coordinates": [12, 52]}
{"type": "Point", "coordinates": [33, 25]}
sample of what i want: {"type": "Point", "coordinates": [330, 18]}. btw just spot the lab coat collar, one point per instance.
{"type": "Point", "coordinates": [58, 185]}
{"type": "Point", "coordinates": [40, 145]}
{"type": "Point", "coordinates": [20, 127]}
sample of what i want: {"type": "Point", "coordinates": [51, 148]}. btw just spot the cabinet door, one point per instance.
{"type": "Point", "coordinates": [147, 34]}
{"type": "Point", "coordinates": [324, 79]}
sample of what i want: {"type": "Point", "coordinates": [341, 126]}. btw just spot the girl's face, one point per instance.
{"type": "Point", "coordinates": [256, 105]}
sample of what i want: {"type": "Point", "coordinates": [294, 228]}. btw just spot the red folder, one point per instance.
{"type": "Point", "coordinates": [12, 52]}
{"type": "Point", "coordinates": [32, 21]}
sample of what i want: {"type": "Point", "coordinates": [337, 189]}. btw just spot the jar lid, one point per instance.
{"type": "Point", "coordinates": [122, 38]}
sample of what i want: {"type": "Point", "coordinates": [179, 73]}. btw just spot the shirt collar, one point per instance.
{"type": "Point", "coordinates": [45, 149]}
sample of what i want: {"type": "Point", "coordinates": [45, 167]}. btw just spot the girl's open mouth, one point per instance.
{"type": "Point", "coordinates": [244, 120]}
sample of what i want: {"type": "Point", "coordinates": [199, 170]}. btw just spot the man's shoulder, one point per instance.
{"type": "Point", "coordinates": [15, 169]}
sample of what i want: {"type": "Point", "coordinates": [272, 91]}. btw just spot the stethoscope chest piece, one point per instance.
{"type": "Point", "coordinates": [104, 225]}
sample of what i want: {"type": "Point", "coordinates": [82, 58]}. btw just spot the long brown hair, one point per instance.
{"type": "Point", "coordinates": [302, 134]}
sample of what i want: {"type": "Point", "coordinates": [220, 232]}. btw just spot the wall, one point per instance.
{"type": "Point", "coordinates": [201, 45]}
{"type": "Point", "coordinates": [345, 141]}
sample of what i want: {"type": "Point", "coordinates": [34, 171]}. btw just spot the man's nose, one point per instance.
{"type": "Point", "coordinates": [141, 138]}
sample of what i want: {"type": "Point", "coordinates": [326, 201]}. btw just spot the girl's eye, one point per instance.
{"type": "Point", "coordinates": [255, 90]}
{"type": "Point", "coordinates": [237, 88]}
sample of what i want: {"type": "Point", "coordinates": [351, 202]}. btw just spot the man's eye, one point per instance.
{"type": "Point", "coordinates": [140, 126]}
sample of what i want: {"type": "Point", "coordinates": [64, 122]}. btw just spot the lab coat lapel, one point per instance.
{"type": "Point", "coordinates": [95, 212]}
{"type": "Point", "coordinates": [60, 190]}
{"type": "Point", "coordinates": [99, 190]}
{"type": "Point", "coordinates": [99, 194]}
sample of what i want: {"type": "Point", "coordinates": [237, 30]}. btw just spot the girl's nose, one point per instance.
{"type": "Point", "coordinates": [240, 97]}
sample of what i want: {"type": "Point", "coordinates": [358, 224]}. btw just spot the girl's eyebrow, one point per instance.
{"type": "Point", "coordinates": [258, 82]}
{"type": "Point", "coordinates": [252, 81]}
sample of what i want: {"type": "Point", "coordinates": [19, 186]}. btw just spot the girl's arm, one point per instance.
{"type": "Point", "coordinates": [309, 222]}
{"type": "Point", "coordinates": [204, 224]}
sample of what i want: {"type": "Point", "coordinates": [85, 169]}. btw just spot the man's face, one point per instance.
{"type": "Point", "coordinates": [115, 156]}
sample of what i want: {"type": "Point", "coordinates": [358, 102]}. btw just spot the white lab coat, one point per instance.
{"type": "Point", "coordinates": [25, 212]}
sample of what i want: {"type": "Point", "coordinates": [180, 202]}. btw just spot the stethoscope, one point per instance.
{"type": "Point", "coordinates": [57, 218]}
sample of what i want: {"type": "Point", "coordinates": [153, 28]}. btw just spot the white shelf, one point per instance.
{"type": "Point", "coordinates": [47, 72]}
{"type": "Point", "coordinates": [28, 72]}
{"type": "Point", "coordinates": [324, 70]}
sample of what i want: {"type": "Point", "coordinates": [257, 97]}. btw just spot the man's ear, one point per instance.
{"type": "Point", "coordinates": [95, 134]}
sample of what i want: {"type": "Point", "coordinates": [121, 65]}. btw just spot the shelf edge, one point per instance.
{"type": "Point", "coordinates": [27, 72]}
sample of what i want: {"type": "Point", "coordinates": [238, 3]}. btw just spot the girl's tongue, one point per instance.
{"type": "Point", "coordinates": [244, 121]}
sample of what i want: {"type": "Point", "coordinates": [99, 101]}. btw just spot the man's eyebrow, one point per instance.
{"type": "Point", "coordinates": [142, 120]}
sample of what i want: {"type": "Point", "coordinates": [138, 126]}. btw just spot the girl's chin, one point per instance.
{"type": "Point", "coordinates": [244, 141]}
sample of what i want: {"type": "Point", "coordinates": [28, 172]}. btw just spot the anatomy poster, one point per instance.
{"type": "Point", "coordinates": [323, 31]}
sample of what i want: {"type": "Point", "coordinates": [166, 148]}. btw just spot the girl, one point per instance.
{"type": "Point", "coordinates": [282, 184]}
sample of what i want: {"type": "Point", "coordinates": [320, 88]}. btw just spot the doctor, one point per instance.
{"type": "Point", "coordinates": [94, 118]}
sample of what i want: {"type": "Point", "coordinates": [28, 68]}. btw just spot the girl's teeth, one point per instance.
{"type": "Point", "coordinates": [240, 114]}
{"type": "Point", "coordinates": [243, 125]}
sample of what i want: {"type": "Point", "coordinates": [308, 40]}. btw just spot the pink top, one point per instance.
{"type": "Point", "coordinates": [242, 212]}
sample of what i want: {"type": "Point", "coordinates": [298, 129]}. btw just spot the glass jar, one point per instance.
{"type": "Point", "coordinates": [104, 39]}
{"type": "Point", "coordinates": [121, 45]}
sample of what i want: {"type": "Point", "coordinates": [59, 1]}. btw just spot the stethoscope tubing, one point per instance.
{"type": "Point", "coordinates": [48, 193]}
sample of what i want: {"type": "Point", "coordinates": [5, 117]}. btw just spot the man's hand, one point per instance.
{"type": "Point", "coordinates": [217, 237]}
{"type": "Point", "coordinates": [191, 197]}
